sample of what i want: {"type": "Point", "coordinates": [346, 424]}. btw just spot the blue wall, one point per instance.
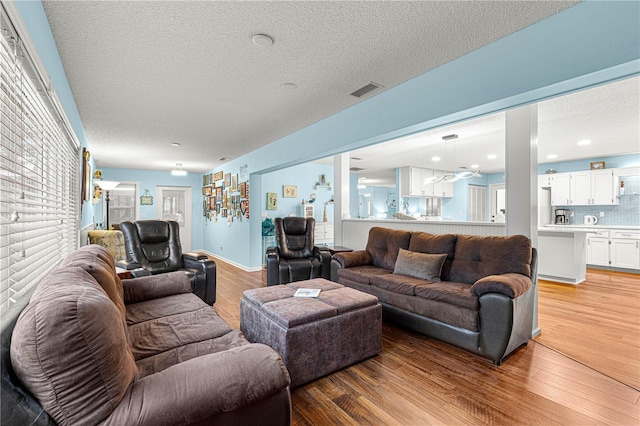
{"type": "Point", "coordinates": [150, 179]}
{"type": "Point", "coordinates": [588, 44]}
{"type": "Point", "coordinates": [305, 177]}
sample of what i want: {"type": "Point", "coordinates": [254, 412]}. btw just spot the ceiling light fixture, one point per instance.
{"type": "Point", "coordinates": [584, 142]}
{"type": "Point", "coordinates": [452, 176]}
{"type": "Point", "coordinates": [175, 144]}
{"type": "Point", "coordinates": [361, 184]}
{"type": "Point", "coordinates": [289, 86]}
{"type": "Point", "coordinates": [178, 171]}
{"type": "Point", "coordinates": [492, 156]}
{"type": "Point", "coordinates": [435, 158]}
{"type": "Point", "coordinates": [262, 40]}
{"type": "Point", "coordinates": [552, 156]}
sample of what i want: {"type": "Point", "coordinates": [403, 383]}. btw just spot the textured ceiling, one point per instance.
{"type": "Point", "coordinates": [146, 74]}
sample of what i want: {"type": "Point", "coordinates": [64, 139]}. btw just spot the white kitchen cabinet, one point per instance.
{"type": "Point", "coordinates": [598, 248]}
{"type": "Point", "coordinates": [561, 189]}
{"type": "Point", "coordinates": [413, 182]}
{"type": "Point", "coordinates": [442, 188]}
{"type": "Point", "coordinates": [614, 248]}
{"type": "Point", "coordinates": [584, 188]}
{"type": "Point", "coordinates": [580, 188]}
{"type": "Point", "coordinates": [544, 181]}
{"type": "Point", "coordinates": [624, 250]}
{"type": "Point", "coordinates": [604, 187]}
{"type": "Point", "coordinates": [323, 233]}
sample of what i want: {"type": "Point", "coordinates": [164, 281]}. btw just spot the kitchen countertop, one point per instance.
{"type": "Point", "coordinates": [590, 227]}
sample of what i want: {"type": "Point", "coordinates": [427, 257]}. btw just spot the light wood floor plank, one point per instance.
{"type": "Point", "coordinates": [416, 380]}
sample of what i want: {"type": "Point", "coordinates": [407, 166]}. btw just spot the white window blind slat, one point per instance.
{"type": "Point", "coordinates": [39, 176]}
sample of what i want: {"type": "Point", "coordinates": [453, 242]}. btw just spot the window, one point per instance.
{"type": "Point", "coordinates": [122, 203]}
{"type": "Point", "coordinates": [39, 186]}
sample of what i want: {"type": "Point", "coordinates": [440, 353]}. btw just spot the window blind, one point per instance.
{"type": "Point", "coordinates": [39, 181]}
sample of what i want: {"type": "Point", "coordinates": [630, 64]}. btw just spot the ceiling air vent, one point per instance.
{"type": "Point", "coordinates": [356, 169]}
{"type": "Point", "coordinates": [365, 90]}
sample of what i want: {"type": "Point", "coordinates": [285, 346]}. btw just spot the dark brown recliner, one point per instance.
{"type": "Point", "coordinates": [153, 247]}
{"type": "Point", "coordinates": [296, 258]}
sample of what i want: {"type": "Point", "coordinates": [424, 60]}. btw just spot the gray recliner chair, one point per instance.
{"type": "Point", "coordinates": [296, 258]}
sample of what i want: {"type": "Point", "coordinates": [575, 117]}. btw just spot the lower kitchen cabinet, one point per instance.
{"type": "Point", "coordinates": [614, 248]}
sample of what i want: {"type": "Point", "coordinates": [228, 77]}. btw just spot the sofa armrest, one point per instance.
{"type": "Point", "coordinates": [273, 260]}
{"type": "Point", "coordinates": [194, 255]}
{"type": "Point", "coordinates": [198, 389]}
{"type": "Point", "coordinates": [353, 258]}
{"type": "Point", "coordinates": [201, 262]}
{"type": "Point", "coordinates": [512, 285]}
{"type": "Point", "coordinates": [155, 286]}
{"type": "Point", "coordinates": [324, 256]}
{"type": "Point", "coordinates": [128, 264]}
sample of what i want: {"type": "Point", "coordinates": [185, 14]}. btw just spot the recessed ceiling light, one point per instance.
{"type": "Point", "coordinates": [584, 142]}
{"type": "Point", "coordinates": [175, 144]}
{"type": "Point", "coordinates": [436, 158]}
{"type": "Point", "coordinates": [289, 86]}
{"type": "Point", "coordinates": [492, 156]}
{"type": "Point", "coordinates": [475, 166]}
{"type": "Point", "coordinates": [552, 156]}
{"type": "Point", "coordinates": [262, 40]}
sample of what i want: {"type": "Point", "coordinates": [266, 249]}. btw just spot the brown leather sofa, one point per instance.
{"type": "Point", "coordinates": [473, 292]}
{"type": "Point", "coordinates": [91, 349]}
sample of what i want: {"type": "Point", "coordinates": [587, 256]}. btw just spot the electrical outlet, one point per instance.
{"type": "Point", "coordinates": [601, 214]}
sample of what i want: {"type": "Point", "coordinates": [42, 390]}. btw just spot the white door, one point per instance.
{"type": "Point", "coordinates": [174, 203]}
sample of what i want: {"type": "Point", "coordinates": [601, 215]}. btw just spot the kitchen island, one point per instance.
{"type": "Point", "coordinates": [562, 254]}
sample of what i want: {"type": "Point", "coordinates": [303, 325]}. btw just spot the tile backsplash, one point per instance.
{"type": "Point", "coordinates": [626, 213]}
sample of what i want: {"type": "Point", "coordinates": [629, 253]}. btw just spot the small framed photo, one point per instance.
{"type": "Point", "coordinates": [227, 180]}
{"type": "Point", "coordinates": [243, 189]}
{"type": "Point", "coordinates": [597, 165]}
{"type": "Point", "coordinates": [217, 176]}
{"type": "Point", "coordinates": [234, 182]}
{"type": "Point", "coordinates": [289, 191]}
{"type": "Point", "coordinates": [272, 201]}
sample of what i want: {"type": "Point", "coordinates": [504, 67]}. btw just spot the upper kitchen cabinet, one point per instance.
{"type": "Point", "coordinates": [584, 188]}
{"type": "Point", "coordinates": [414, 182]}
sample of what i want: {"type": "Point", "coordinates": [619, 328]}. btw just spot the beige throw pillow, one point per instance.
{"type": "Point", "coordinates": [419, 265]}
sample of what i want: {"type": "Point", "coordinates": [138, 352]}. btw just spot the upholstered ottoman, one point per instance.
{"type": "Point", "coordinates": [314, 336]}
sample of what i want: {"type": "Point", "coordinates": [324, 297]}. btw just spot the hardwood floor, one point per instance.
{"type": "Point", "coordinates": [596, 322]}
{"type": "Point", "coordinates": [416, 380]}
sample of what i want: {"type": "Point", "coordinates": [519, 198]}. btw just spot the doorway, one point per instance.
{"type": "Point", "coordinates": [498, 202]}
{"type": "Point", "coordinates": [175, 204]}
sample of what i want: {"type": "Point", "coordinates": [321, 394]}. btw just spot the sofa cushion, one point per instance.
{"type": "Point", "coordinates": [419, 265]}
{"type": "Point", "coordinates": [384, 244]}
{"type": "Point", "coordinates": [477, 257]}
{"type": "Point", "coordinates": [166, 359]}
{"type": "Point", "coordinates": [97, 261]}
{"type": "Point", "coordinates": [166, 333]}
{"type": "Point", "coordinates": [66, 350]}
{"type": "Point", "coordinates": [362, 274]}
{"type": "Point", "coordinates": [435, 244]}
{"type": "Point", "coordinates": [403, 284]}
{"type": "Point", "coordinates": [454, 293]}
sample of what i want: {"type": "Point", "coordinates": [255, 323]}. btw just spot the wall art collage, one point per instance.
{"type": "Point", "coordinates": [225, 196]}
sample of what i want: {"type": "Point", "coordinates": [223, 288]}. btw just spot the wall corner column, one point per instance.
{"type": "Point", "coordinates": [521, 129]}
{"type": "Point", "coordinates": [341, 196]}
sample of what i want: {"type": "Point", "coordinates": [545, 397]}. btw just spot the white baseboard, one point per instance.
{"type": "Point", "coordinates": [237, 265]}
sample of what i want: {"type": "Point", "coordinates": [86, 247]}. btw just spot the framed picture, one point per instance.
{"type": "Point", "coordinates": [234, 182]}
{"type": "Point", "coordinates": [243, 189]}
{"type": "Point", "coordinates": [289, 191]}
{"type": "Point", "coordinates": [219, 192]}
{"type": "Point", "coordinates": [272, 201]}
{"type": "Point", "coordinates": [227, 180]}
{"type": "Point", "coordinates": [597, 165]}
{"type": "Point", "coordinates": [217, 176]}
